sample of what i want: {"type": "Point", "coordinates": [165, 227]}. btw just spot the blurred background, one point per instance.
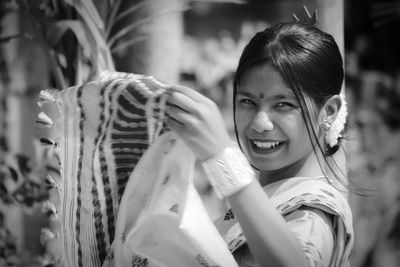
{"type": "Point", "coordinates": [50, 44]}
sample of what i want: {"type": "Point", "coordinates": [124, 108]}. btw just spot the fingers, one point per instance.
{"type": "Point", "coordinates": [173, 124]}
{"type": "Point", "coordinates": [182, 101]}
{"type": "Point", "coordinates": [190, 93]}
{"type": "Point", "coordinates": [185, 109]}
{"type": "Point", "coordinates": [177, 117]}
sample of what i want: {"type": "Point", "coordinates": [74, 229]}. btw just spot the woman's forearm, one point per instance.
{"type": "Point", "coordinates": [270, 240]}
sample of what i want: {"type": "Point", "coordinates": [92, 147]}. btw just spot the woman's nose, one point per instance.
{"type": "Point", "coordinates": [262, 122]}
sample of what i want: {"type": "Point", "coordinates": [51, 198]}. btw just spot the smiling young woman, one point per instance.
{"type": "Point", "coordinates": [269, 199]}
{"type": "Point", "coordinates": [287, 111]}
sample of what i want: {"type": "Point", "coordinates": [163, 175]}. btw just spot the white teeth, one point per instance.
{"type": "Point", "coordinates": [266, 145]}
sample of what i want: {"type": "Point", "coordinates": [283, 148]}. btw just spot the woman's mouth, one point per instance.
{"type": "Point", "coordinates": [266, 146]}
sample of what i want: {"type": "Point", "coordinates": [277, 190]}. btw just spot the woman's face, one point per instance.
{"type": "Point", "coordinates": [269, 122]}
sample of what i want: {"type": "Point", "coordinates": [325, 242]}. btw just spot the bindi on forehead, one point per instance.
{"type": "Point", "coordinates": [261, 95]}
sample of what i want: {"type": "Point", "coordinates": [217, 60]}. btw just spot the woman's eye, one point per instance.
{"type": "Point", "coordinates": [246, 102]}
{"type": "Point", "coordinates": [285, 106]}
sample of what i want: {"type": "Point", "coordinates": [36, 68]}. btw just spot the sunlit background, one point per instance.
{"type": "Point", "coordinates": [57, 44]}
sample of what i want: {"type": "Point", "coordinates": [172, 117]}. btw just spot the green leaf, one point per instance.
{"type": "Point", "coordinates": [95, 25]}
{"type": "Point", "coordinates": [126, 43]}
{"type": "Point", "coordinates": [87, 10]}
{"type": "Point", "coordinates": [57, 30]}
{"type": "Point", "coordinates": [125, 30]}
{"type": "Point", "coordinates": [60, 79]}
{"type": "Point", "coordinates": [130, 10]}
{"type": "Point", "coordinates": [111, 17]}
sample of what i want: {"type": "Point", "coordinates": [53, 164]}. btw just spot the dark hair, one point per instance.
{"type": "Point", "coordinates": [308, 60]}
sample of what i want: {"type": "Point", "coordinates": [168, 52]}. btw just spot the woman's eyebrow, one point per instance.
{"type": "Point", "coordinates": [283, 96]}
{"type": "Point", "coordinates": [246, 94]}
{"type": "Point", "coordinates": [275, 97]}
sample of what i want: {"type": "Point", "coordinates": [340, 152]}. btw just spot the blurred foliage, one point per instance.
{"type": "Point", "coordinates": [209, 64]}
{"type": "Point", "coordinates": [25, 183]}
{"type": "Point", "coordinates": [73, 35]}
{"type": "Point", "coordinates": [374, 155]}
{"type": "Point", "coordinates": [8, 248]}
{"type": "Point", "coordinates": [78, 38]}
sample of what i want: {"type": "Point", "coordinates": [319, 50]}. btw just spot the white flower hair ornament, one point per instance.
{"type": "Point", "coordinates": [333, 130]}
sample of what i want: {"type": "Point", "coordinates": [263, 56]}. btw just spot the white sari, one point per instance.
{"type": "Point", "coordinates": [163, 222]}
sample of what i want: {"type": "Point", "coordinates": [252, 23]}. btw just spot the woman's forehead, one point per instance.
{"type": "Point", "coordinates": [263, 80]}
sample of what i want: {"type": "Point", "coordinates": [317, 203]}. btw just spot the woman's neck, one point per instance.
{"type": "Point", "coordinates": [305, 167]}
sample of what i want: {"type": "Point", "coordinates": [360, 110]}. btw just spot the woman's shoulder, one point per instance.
{"type": "Point", "coordinates": [313, 192]}
{"type": "Point", "coordinates": [323, 200]}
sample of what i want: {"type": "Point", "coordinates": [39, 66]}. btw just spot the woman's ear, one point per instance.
{"type": "Point", "coordinates": [330, 109]}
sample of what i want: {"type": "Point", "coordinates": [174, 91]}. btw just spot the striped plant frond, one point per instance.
{"type": "Point", "coordinates": [122, 38]}
{"type": "Point", "coordinates": [88, 12]}
{"type": "Point", "coordinates": [72, 34]}
{"type": "Point", "coordinates": [92, 26]}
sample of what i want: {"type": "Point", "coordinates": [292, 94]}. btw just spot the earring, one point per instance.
{"type": "Point", "coordinates": [333, 130]}
{"type": "Point", "coordinates": [326, 126]}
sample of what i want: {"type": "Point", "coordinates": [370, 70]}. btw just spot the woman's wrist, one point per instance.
{"type": "Point", "coordinates": [228, 171]}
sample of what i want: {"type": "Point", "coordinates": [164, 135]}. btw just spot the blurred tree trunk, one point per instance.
{"type": "Point", "coordinates": [331, 19]}
{"type": "Point", "coordinates": [159, 43]}
{"type": "Point", "coordinates": [28, 74]}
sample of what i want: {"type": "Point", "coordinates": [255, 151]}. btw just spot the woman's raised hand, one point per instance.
{"type": "Point", "coordinates": [198, 121]}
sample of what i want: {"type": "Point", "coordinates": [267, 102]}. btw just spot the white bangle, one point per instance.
{"type": "Point", "coordinates": [229, 171]}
